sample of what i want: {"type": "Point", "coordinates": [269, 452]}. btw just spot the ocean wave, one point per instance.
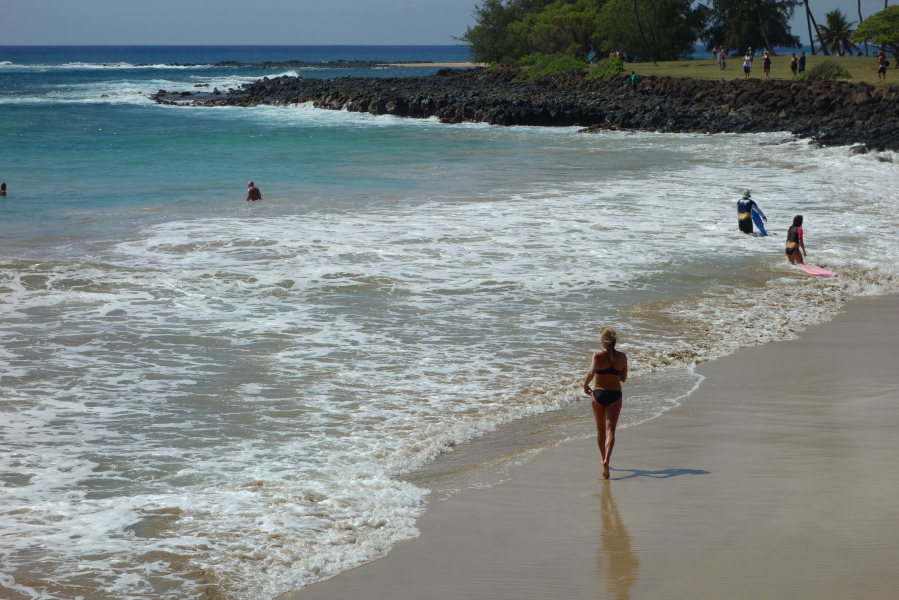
{"type": "Point", "coordinates": [87, 66]}
{"type": "Point", "coordinates": [228, 400]}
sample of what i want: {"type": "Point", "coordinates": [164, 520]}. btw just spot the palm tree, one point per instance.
{"type": "Point", "coordinates": [810, 17]}
{"type": "Point", "coordinates": [860, 19]}
{"type": "Point", "coordinates": [643, 36]}
{"type": "Point", "coordinates": [758, 10]}
{"type": "Point", "coordinates": [836, 33]}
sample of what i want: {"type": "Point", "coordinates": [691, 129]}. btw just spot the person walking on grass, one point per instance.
{"type": "Point", "coordinates": [882, 64]}
{"type": "Point", "coordinates": [802, 62]}
{"type": "Point", "coordinates": [794, 64]}
{"type": "Point", "coordinates": [608, 370]}
{"type": "Point", "coordinates": [766, 65]}
{"type": "Point", "coordinates": [747, 65]}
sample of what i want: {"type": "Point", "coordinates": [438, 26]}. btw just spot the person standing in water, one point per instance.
{"type": "Point", "coordinates": [608, 371]}
{"type": "Point", "coordinates": [795, 242]}
{"type": "Point", "coordinates": [744, 212]}
{"type": "Point", "coordinates": [253, 193]}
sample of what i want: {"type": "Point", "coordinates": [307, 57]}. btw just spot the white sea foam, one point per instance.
{"type": "Point", "coordinates": [90, 66]}
{"type": "Point", "coordinates": [235, 394]}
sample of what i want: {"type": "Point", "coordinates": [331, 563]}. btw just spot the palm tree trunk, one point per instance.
{"type": "Point", "coordinates": [758, 9]}
{"type": "Point", "coordinates": [808, 11]}
{"type": "Point", "coordinates": [860, 22]}
{"type": "Point", "coordinates": [808, 21]}
{"type": "Point", "coordinates": [643, 36]}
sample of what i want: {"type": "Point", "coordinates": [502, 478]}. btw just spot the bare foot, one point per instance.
{"type": "Point", "coordinates": [605, 470]}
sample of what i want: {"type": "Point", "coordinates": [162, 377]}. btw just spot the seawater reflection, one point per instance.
{"type": "Point", "coordinates": [616, 562]}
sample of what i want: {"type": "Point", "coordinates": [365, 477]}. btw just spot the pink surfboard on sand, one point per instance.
{"type": "Point", "coordinates": [816, 270]}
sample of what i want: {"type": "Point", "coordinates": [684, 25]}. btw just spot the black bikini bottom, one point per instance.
{"type": "Point", "coordinates": [606, 397]}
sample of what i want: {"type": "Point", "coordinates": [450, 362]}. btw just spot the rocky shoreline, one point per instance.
{"type": "Point", "coordinates": [828, 112]}
{"type": "Point", "coordinates": [299, 64]}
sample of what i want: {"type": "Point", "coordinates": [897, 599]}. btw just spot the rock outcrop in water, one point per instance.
{"type": "Point", "coordinates": [830, 112]}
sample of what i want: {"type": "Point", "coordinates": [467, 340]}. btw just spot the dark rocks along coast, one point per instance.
{"type": "Point", "coordinates": [828, 112]}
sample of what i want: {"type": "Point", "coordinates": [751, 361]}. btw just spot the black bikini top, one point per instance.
{"type": "Point", "coordinates": [611, 370]}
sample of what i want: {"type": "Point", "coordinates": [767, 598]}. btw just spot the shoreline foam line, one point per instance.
{"type": "Point", "coordinates": [756, 485]}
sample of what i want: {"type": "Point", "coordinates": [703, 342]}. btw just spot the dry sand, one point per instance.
{"type": "Point", "coordinates": [776, 479]}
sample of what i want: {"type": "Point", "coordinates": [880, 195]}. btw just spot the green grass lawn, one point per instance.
{"type": "Point", "coordinates": [860, 67]}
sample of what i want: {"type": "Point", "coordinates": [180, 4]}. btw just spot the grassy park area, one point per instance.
{"type": "Point", "coordinates": [861, 68]}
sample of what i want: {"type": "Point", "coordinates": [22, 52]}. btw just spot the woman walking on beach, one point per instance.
{"type": "Point", "coordinates": [608, 371]}
{"type": "Point", "coordinates": [795, 243]}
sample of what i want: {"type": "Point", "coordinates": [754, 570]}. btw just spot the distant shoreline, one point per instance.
{"type": "Point", "coordinates": [462, 65]}
{"type": "Point", "coordinates": [827, 112]}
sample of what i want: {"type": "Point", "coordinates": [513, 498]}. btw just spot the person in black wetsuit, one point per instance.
{"type": "Point", "coordinates": [744, 212]}
{"type": "Point", "coordinates": [608, 371]}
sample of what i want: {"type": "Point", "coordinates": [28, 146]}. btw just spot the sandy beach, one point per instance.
{"type": "Point", "coordinates": [775, 479]}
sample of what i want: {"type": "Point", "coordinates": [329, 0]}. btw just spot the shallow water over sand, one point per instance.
{"type": "Point", "coordinates": [206, 392]}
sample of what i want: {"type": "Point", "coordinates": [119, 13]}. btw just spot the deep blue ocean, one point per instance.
{"type": "Point", "coordinates": [201, 395]}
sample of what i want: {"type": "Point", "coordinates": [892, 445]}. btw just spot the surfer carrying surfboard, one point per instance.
{"type": "Point", "coordinates": [795, 245]}
{"type": "Point", "coordinates": [745, 207]}
{"type": "Point", "coordinates": [608, 371]}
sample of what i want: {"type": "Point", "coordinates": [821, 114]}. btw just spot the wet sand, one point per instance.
{"type": "Point", "coordinates": [776, 479]}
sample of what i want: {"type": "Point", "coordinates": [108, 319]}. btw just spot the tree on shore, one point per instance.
{"type": "Point", "coordinates": [860, 19]}
{"type": "Point", "coordinates": [743, 23]}
{"type": "Point", "coordinates": [882, 30]}
{"type": "Point", "coordinates": [490, 40]}
{"type": "Point", "coordinates": [836, 33]}
{"type": "Point", "coordinates": [643, 35]}
{"type": "Point", "coordinates": [811, 19]}
{"type": "Point", "coordinates": [519, 31]}
{"type": "Point", "coordinates": [560, 28]}
{"type": "Point", "coordinates": [658, 30]}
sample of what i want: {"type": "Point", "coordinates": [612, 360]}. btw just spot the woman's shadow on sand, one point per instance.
{"type": "Point", "coordinates": [662, 474]}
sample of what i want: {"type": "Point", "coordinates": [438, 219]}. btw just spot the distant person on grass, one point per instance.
{"type": "Point", "coordinates": [795, 242]}
{"type": "Point", "coordinates": [634, 80]}
{"type": "Point", "coordinates": [766, 65]}
{"type": "Point", "coordinates": [882, 64]}
{"type": "Point", "coordinates": [794, 64]}
{"type": "Point", "coordinates": [802, 62]}
{"type": "Point", "coordinates": [608, 370]}
{"type": "Point", "coordinates": [747, 65]}
{"type": "Point", "coordinates": [253, 192]}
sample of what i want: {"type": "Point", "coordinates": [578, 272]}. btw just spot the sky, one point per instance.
{"type": "Point", "coordinates": [278, 22]}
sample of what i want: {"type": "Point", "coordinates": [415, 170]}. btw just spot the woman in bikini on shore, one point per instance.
{"type": "Point", "coordinates": [607, 372]}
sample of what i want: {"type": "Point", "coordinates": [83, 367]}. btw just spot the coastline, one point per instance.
{"type": "Point", "coordinates": [826, 112]}
{"type": "Point", "coordinates": [774, 479]}
{"type": "Point", "coordinates": [456, 65]}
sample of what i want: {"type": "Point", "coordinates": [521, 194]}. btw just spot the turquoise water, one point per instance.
{"type": "Point", "coordinates": [201, 392]}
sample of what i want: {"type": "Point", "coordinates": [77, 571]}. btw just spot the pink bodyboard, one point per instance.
{"type": "Point", "coordinates": [816, 270]}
